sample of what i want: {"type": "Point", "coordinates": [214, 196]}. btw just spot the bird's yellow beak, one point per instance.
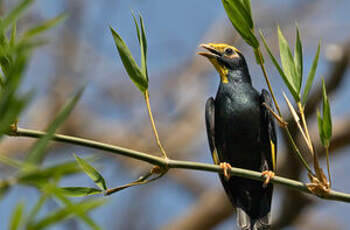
{"type": "Point", "coordinates": [214, 53]}
{"type": "Point", "coordinates": [217, 51]}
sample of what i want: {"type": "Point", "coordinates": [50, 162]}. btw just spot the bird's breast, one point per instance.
{"type": "Point", "coordinates": [237, 126]}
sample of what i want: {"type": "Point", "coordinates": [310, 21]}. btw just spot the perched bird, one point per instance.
{"type": "Point", "coordinates": [241, 133]}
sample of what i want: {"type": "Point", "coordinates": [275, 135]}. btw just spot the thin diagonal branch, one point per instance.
{"type": "Point", "coordinates": [168, 163]}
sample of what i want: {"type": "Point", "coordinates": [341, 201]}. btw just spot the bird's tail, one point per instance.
{"type": "Point", "coordinates": [244, 222]}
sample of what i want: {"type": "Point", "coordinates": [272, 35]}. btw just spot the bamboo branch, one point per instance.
{"type": "Point", "coordinates": [295, 147]}
{"type": "Point", "coordinates": [168, 163]}
{"type": "Point", "coordinates": [156, 135]}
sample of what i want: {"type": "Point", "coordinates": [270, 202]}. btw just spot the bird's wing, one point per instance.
{"type": "Point", "coordinates": [268, 130]}
{"type": "Point", "coordinates": [210, 123]}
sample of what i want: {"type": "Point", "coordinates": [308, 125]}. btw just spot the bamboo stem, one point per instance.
{"type": "Point", "coordinates": [306, 130]}
{"type": "Point", "coordinates": [268, 82]}
{"type": "Point", "coordinates": [168, 163]}
{"type": "Point", "coordinates": [328, 167]}
{"type": "Point", "coordinates": [153, 124]}
{"type": "Point", "coordinates": [295, 147]}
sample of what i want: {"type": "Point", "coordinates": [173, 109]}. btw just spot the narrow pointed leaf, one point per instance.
{"type": "Point", "coordinates": [143, 48]}
{"type": "Point", "coordinates": [327, 119]}
{"type": "Point", "coordinates": [39, 176]}
{"type": "Point", "coordinates": [240, 6]}
{"type": "Point", "coordinates": [298, 58]}
{"type": "Point", "coordinates": [291, 109]}
{"type": "Point", "coordinates": [16, 217]}
{"type": "Point", "coordinates": [15, 13]}
{"type": "Point", "coordinates": [311, 75]}
{"type": "Point", "coordinates": [238, 17]}
{"type": "Point", "coordinates": [37, 206]}
{"type": "Point", "coordinates": [141, 35]}
{"type": "Point", "coordinates": [80, 191]}
{"type": "Point", "coordinates": [11, 161]}
{"type": "Point", "coordinates": [13, 35]}
{"type": "Point", "coordinates": [92, 173]}
{"type": "Point", "coordinates": [248, 8]}
{"type": "Point", "coordinates": [134, 72]}
{"type": "Point", "coordinates": [83, 216]}
{"type": "Point", "coordinates": [4, 189]}
{"type": "Point", "coordinates": [44, 26]}
{"type": "Point", "coordinates": [137, 27]}
{"type": "Point", "coordinates": [288, 62]}
{"type": "Point", "coordinates": [320, 128]}
{"type": "Point", "coordinates": [37, 153]}
{"type": "Point", "coordinates": [67, 212]}
{"type": "Point", "coordinates": [279, 69]}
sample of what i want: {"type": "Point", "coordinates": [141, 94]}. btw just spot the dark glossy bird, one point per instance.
{"type": "Point", "coordinates": [241, 133]}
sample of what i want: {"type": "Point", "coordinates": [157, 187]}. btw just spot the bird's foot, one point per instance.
{"type": "Point", "coordinates": [268, 175]}
{"type": "Point", "coordinates": [227, 170]}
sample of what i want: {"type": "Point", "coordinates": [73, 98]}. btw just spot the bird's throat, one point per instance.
{"type": "Point", "coordinates": [223, 71]}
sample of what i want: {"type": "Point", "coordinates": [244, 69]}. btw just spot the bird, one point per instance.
{"type": "Point", "coordinates": [241, 132]}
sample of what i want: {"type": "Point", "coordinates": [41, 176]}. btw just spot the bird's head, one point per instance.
{"type": "Point", "coordinates": [226, 59]}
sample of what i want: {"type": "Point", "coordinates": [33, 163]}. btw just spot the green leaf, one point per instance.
{"type": "Point", "coordinates": [44, 26]}
{"type": "Point", "coordinates": [16, 217]}
{"type": "Point", "coordinates": [325, 122]}
{"type": "Point", "coordinates": [327, 118]}
{"type": "Point", "coordinates": [143, 44]}
{"type": "Point", "coordinates": [13, 35]}
{"type": "Point", "coordinates": [15, 14]}
{"type": "Point", "coordinates": [241, 20]}
{"type": "Point", "coordinates": [242, 8]}
{"type": "Point", "coordinates": [134, 72]}
{"type": "Point", "coordinates": [11, 104]}
{"type": "Point", "coordinates": [83, 216]}
{"type": "Point", "coordinates": [137, 27]}
{"type": "Point", "coordinates": [278, 67]}
{"type": "Point", "coordinates": [248, 8]}
{"type": "Point", "coordinates": [13, 108]}
{"type": "Point", "coordinates": [311, 75]}
{"type": "Point", "coordinates": [10, 161]}
{"type": "Point", "coordinates": [67, 212]}
{"type": "Point", "coordinates": [16, 163]}
{"type": "Point", "coordinates": [288, 62]}
{"type": "Point", "coordinates": [80, 191]}
{"type": "Point", "coordinates": [320, 128]}
{"type": "Point", "coordinates": [4, 189]}
{"type": "Point", "coordinates": [298, 58]}
{"type": "Point", "coordinates": [36, 208]}
{"type": "Point", "coordinates": [37, 153]}
{"type": "Point", "coordinates": [92, 173]}
{"type": "Point", "coordinates": [38, 177]}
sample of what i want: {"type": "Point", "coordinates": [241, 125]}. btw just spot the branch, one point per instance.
{"type": "Point", "coordinates": [168, 163]}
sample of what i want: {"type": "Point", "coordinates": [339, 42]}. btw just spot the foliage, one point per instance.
{"type": "Point", "coordinates": [15, 54]}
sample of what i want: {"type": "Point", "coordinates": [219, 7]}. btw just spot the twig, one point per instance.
{"type": "Point", "coordinates": [153, 124]}
{"type": "Point", "coordinates": [268, 82]}
{"type": "Point", "coordinates": [168, 163]}
{"type": "Point", "coordinates": [303, 120]}
{"type": "Point", "coordinates": [297, 122]}
{"type": "Point", "coordinates": [295, 147]}
{"type": "Point", "coordinates": [328, 168]}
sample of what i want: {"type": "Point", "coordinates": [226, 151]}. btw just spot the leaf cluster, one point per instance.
{"type": "Point", "coordinates": [15, 53]}
{"type": "Point", "coordinates": [139, 75]}
{"type": "Point", "coordinates": [291, 71]}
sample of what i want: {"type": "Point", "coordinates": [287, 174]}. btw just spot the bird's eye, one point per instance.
{"type": "Point", "coordinates": [228, 51]}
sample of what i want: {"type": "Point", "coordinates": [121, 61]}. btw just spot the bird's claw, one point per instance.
{"type": "Point", "coordinates": [227, 170]}
{"type": "Point", "coordinates": [268, 175]}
